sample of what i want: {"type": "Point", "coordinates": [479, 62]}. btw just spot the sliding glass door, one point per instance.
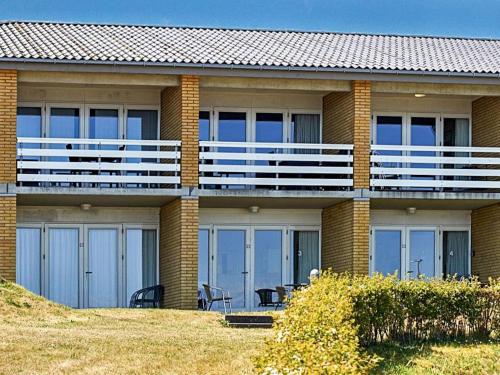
{"type": "Point", "coordinates": [420, 252]}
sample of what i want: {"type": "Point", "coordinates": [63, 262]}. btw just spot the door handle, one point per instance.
{"type": "Point", "coordinates": [244, 272]}
{"type": "Point", "coordinates": [88, 272]}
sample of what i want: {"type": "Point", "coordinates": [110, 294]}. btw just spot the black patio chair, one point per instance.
{"type": "Point", "coordinates": [215, 294]}
{"type": "Point", "coordinates": [266, 297]}
{"type": "Point", "coordinates": [147, 297]}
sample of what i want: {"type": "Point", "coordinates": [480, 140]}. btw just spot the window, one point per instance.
{"type": "Point", "coordinates": [203, 257]}
{"type": "Point", "coordinates": [204, 126]}
{"type": "Point", "coordinates": [305, 246]}
{"type": "Point", "coordinates": [28, 258]}
{"type": "Point", "coordinates": [305, 128]}
{"type": "Point", "coordinates": [141, 255]}
{"type": "Point", "coordinates": [456, 253]}
{"type": "Point", "coordinates": [29, 125]}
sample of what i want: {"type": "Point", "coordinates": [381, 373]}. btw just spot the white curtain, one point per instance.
{"type": "Point", "coordinates": [306, 129]}
{"type": "Point", "coordinates": [456, 253]}
{"type": "Point", "coordinates": [307, 254]}
{"type": "Point", "coordinates": [103, 263]}
{"type": "Point", "coordinates": [63, 266]}
{"type": "Point", "coordinates": [28, 255]}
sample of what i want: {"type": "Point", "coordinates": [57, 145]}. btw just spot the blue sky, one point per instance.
{"type": "Point", "coordinates": [475, 18]}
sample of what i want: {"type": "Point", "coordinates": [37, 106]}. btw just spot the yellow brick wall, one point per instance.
{"type": "Point", "coordinates": [485, 227]}
{"type": "Point", "coordinates": [8, 238]}
{"type": "Point", "coordinates": [346, 119]}
{"type": "Point", "coordinates": [179, 121]}
{"type": "Point", "coordinates": [345, 236]}
{"type": "Point", "coordinates": [179, 253]}
{"type": "Point", "coordinates": [486, 122]}
{"type": "Point", "coordinates": [8, 111]}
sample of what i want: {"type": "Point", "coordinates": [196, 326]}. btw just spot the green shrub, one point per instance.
{"type": "Point", "coordinates": [327, 325]}
{"type": "Point", "coordinates": [316, 334]}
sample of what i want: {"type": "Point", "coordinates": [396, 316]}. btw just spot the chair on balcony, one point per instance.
{"type": "Point", "coordinates": [117, 160]}
{"type": "Point", "coordinates": [215, 294]}
{"type": "Point", "coordinates": [147, 297]}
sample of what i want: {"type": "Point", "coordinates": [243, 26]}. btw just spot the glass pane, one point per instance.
{"type": "Point", "coordinates": [63, 266]}
{"type": "Point", "coordinates": [423, 133]}
{"type": "Point", "coordinates": [231, 264]}
{"type": "Point", "coordinates": [269, 129]}
{"type": "Point", "coordinates": [64, 123]}
{"type": "Point", "coordinates": [389, 131]}
{"type": "Point", "coordinates": [203, 257]}
{"type": "Point", "coordinates": [422, 253]}
{"type": "Point", "coordinates": [103, 267]}
{"type": "Point", "coordinates": [29, 124]}
{"type": "Point", "coordinates": [204, 126]}
{"type": "Point", "coordinates": [267, 261]}
{"type": "Point", "coordinates": [387, 252]}
{"type": "Point", "coordinates": [305, 255]}
{"type": "Point", "coordinates": [456, 253]}
{"type": "Point", "coordinates": [28, 255]}
{"type": "Point", "coordinates": [232, 127]}
{"type": "Point", "coordinates": [103, 124]}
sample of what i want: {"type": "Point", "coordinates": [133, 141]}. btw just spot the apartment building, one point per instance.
{"type": "Point", "coordinates": [141, 155]}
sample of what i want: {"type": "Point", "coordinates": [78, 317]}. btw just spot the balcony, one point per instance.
{"type": "Point", "coordinates": [97, 163]}
{"type": "Point", "coordinates": [275, 166]}
{"type": "Point", "coordinates": [435, 169]}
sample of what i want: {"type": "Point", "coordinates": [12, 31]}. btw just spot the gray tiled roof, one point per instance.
{"type": "Point", "coordinates": [252, 48]}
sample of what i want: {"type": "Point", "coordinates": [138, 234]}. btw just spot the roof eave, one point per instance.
{"type": "Point", "coordinates": [247, 70]}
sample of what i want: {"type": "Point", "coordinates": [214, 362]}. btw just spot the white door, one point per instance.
{"type": "Point", "coordinates": [387, 251]}
{"type": "Point", "coordinates": [103, 266]}
{"type": "Point", "coordinates": [422, 255]}
{"type": "Point", "coordinates": [62, 264]}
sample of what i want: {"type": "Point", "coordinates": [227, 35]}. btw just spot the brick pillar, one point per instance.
{"type": "Point", "coordinates": [180, 107]}
{"type": "Point", "coordinates": [8, 110]}
{"type": "Point", "coordinates": [179, 253]}
{"type": "Point", "coordinates": [346, 119]}
{"type": "Point", "coordinates": [485, 229]}
{"type": "Point", "coordinates": [485, 222]}
{"type": "Point", "coordinates": [345, 236]}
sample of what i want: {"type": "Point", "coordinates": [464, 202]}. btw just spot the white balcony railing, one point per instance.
{"type": "Point", "coordinates": [70, 162]}
{"type": "Point", "coordinates": [438, 168]}
{"type": "Point", "coordinates": [289, 166]}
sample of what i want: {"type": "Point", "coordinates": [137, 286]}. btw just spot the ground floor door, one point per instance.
{"type": "Point", "coordinates": [87, 265]}
{"type": "Point", "coordinates": [420, 251]}
{"type": "Point", "coordinates": [243, 259]}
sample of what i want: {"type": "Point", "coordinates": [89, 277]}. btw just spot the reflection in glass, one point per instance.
{"type": "Point", "coordinates": [203, 257]}
{"type": "Point", "coordinates": [268, 258]}
{"type": "Point", "coordinates": [232, 127]}
{"type": "Point", "coordinates": [422, 253]}
{"type": "Point", "coordinates": [231, 264]}
{"type": "Point", "coordinates": [387, 252]}
{"type": "Point", "coordinates": [64, 123]}
{"type": "Point", "coordinates": [29, 124]}
{"type": "Point", "coordinates": [423, 133]}
{"type": "Point", "coordinates": [389, 131]}
{"type": "Point", "coordinates": [103, 124]}
{"type": "Point", "coordinates": [268, 129]}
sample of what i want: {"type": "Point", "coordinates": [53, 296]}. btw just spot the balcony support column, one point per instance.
{"type": "Point", "coordinates": [346, 119]}
{"type": "Point", "coordinates": [8, 112]}
{"type": "Point", "coordinates": [345, 236]}
{"type": "Point", "coordinates": [179, 218]}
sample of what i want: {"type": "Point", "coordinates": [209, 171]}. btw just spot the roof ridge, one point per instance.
{"type": "Point", "coordinates": [416, 36]}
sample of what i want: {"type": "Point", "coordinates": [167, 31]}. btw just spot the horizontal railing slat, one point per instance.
{"type": "Point", "coordinates": [89, 141]}
{"type": "Point", "coordinates": [273, 169]}
{"type": "Point", "coordinates": [99, 153]}
{"type": "Point", "coordinates": [55, 165]}
{"type": "Point", "coordinates": [275, 181]}
{"type": "Point", "coordinates": [274, 157]}
{"type": "Point", "coordinates": [98, 179]}
{"type": "Point", "coordinates": [305, 146]}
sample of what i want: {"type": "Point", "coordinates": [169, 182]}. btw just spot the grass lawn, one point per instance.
{"type": "Point", "coordinates": [37, 336]}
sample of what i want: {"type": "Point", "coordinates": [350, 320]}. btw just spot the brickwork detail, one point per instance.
{"type": "Point", "coordinates": [485, 228]}
{"type": "Point", "coordinates": [346, 119]}
{"type": "Point", "coordinates": [8, 112]}
{"type": "Point", "coordinates": [179, 253]}
{"type": "Point", "coordinates": [8, 238]}
{"type": "Point", "coordinates": [179, 121]}
{"type": "Point", "coordinates": [486, 122]}
{"type": "Point", "coordinates": [345, 236]}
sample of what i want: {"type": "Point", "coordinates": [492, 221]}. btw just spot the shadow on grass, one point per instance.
{"type": "Point", "coordinates": [399, 358]}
